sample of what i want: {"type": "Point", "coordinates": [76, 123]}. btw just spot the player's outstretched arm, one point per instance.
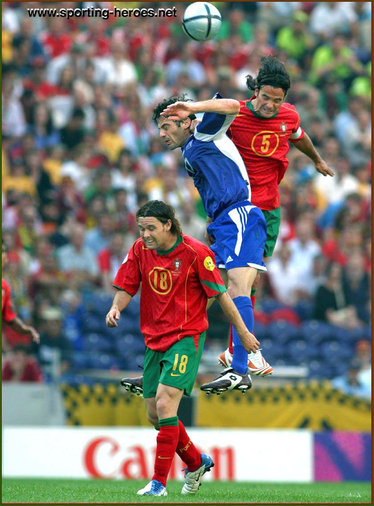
{"type": "Point", "coordinates": [181, 110]}
{"type": "Point", "coordinates": [120, 301]}
{"type": "Point", "coordinates": [305, 145]}
{"type": "Point", "coordinates": [18, 325]}
{"type": "Point", "coordinates": [247, 339]}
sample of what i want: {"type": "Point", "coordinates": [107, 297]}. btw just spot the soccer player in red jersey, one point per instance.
{"type": "Point", "coordinates": [8, 315]}
{"type": "Point", "coordinates": [261, 131]}
{"type": "Point", "coordinates": [177, 275]}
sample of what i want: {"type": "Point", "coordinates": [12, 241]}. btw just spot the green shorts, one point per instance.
{"type": "Point", "coordinates": [176, 367]}
{"type": "Point", "coordinates": [273, 219]}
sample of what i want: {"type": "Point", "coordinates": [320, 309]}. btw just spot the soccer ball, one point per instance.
{"type": "Point", "coordinates": [201, 21]}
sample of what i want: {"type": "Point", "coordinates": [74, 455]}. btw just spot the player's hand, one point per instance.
{"type": "Point", "coordinates": [324, 169]}
{"type": "Point", "coordinates": [177, 111]}
{"type": "Point", "coordinates": [249, 342]}
{"type": "Point", "coordinates": [33, 334]}
{"type": "Point", "coordinates": [112, 317]}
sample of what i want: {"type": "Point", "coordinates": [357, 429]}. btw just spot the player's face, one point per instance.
{"type": "Point", "coordinates": [268, 101]}
{"type": "Point", "coordinates": [174, 134]}
{"type": "Point", "coordinates": [155, 235]}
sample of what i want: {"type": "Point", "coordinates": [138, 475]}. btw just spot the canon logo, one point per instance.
{"type": "Point", "coordinates": [104, 457]}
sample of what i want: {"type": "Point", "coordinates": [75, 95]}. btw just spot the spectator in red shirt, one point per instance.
{"type": "Point", "coordinates": [110, 260]}
{"type": "Point", "coordinates": [19, 366]}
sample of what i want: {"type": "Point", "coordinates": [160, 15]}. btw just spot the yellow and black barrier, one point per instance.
{"type": "Point", "coordinates": [311, 405]}
{"type": "Point", "coordinates": [101, 405]}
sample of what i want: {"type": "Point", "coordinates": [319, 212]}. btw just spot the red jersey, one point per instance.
{"type": "Point", "coordinates": [7, 312]}
{"type": "Point", "coordinates": [176, 285]}
{"type": "Point", "coordinates": [263, 145]}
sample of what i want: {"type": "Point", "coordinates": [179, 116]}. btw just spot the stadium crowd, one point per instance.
{"type": "Point", "coordinates": [80, 154]}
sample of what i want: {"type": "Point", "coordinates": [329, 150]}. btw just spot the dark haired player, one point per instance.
{"type": "Point", "coordinates": [261, 131]}
{"type": "Point", "coordinates": [177, 275]}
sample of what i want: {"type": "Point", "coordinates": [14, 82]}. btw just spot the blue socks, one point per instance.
{"type": "Point", "coordinates": [240, 356]}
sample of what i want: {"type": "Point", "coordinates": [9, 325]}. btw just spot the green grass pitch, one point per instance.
{"type": "Point", "coordinates": [36, 491]}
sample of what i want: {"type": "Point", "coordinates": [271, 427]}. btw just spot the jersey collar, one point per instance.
{"type": "Point", "coordinates": [167, 251]}
{"type": "Point", "coordinates": [250, 107]}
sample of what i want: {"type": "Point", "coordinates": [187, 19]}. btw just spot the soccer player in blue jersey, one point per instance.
{"type": "Point", "coordinates": [237, 229]}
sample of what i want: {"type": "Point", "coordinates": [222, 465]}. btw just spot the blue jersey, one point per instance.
{"type": "Point", "coordinates": [215, 165]}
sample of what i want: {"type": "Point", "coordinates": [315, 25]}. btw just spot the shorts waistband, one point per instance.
{"type": "Point", "coordinates": [232, 206]}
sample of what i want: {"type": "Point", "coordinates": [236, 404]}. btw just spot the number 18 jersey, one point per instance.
{"type": "Point", "coordinates": [175, 288]}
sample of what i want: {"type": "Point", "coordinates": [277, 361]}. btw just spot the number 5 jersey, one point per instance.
{"type": "Point", "coordinates": [263, 145]}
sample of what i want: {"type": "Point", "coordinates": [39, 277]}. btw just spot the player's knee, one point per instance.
{"type": "Point", "coordinates": [162, 405]}
{"type": "Point", "coordinates": [153, 419]}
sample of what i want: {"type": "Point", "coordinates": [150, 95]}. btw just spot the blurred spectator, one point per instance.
{"type": "Point", "coordinates": [100, 236]}
{"type": "Point", "coordinates": [329, 18]}
{"type": "Point", "coordinates": [330, 302]}
{"type": "Point", "coordinates": [357, 142]}
{"type": "Point", "coordinates": [284, 275]}
{"type": "Point", "coordinates": [55, 349]}
{"type": "Point", "coordinates": [124, 213]}
{"type": "Point", "coordinates": [304, 248]}
{"type": "Point", "coordinates": [185, 63]}
{"type": "Point", "coordinates": [42, 127]}
{"type": "Point", "coordinates": [18, 365]}
{"type": "Point", "coordinates": [356, 286]}
{"type": "Point", "coordinates": [363, 353]}
{"type": "Point", "coordinates": [101, 186]}
{"type": "Point", "coordinates": [236, 23]}
{"type": "Point", "coordinates": [120, 71]}
{"type": "Point", "coordinates": [110, 258]}
{"type": "Point", "coordinates": [73, 133]}
{"type": "Point", "coordinates": [56, 40]}
{"type": "Point", "coordinates": [13, 119]}
{"type": "Point", "coordinates": [335, 60]}
{"type": "Point", "coordinates": [335, 189]}
{"type": "Point", "coordinates": [73, 311]}
{"type": "Point", "coordinates": [75, 167]}
{"type": "Point", "coordinates": [296, 40]}
{"type": "Point", "coordinates": [350, 383]}
{"type": "Point", "coordinates": [48, 280]}
{"type": "Point", "coordinates": [78, 261]}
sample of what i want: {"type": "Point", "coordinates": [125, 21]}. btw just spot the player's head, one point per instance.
{"type": "Point", "coordinates": [174, 133]}
{"type": "Point", "coordinates": [157, 224]}
{"type": "Point", "coordinates": [270, 86]}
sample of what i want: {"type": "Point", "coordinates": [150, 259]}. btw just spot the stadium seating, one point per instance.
{"type": "Point", "coordinates": [285, 340]}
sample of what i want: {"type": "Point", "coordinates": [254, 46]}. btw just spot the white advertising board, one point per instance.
{"type": "Point", "coordinates": [128, 453]}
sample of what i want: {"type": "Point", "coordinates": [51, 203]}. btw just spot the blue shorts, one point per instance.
{"type": "Point", "coordinates": [239, 234]}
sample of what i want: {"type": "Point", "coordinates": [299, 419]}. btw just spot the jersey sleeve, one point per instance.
{"type": "Point", "coordinates": [8, 313]}
{"type": "Point", "coordinates": [297, 131]}
{"type": "Point", "coordinates": [209, 275]}
{"type": "Point", "coordinates": [128, 277]}
{"type": "Point", "coordinates": [213, 125]}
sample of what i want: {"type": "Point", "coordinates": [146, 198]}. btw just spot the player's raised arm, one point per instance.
{"type": "Point", "coordinates": [181, 110]}
{"type": "Point", "coordinates": [305, 145]}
